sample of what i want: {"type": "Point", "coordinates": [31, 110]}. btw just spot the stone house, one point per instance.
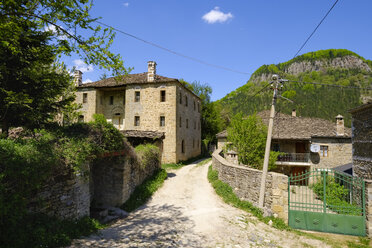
{"type": "Point", "coordinates": [362, 140]}
{"type": "Point", "coordinates": [146, 106]}
{"type": "Point", "coordinates": [307, 143]}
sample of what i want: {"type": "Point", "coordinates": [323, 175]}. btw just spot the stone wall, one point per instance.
{"type": "Point", "coordinates": [362, 141]}
{"type": "Point", "coordinates": [188, 124]}
{"type": "Point", "coordinates": [368, 199]}
{"type": "Point", "coordinates": [64, 195]}
{"type": "Point", "coordinates": [116, 177]}
{"type": "Point", "coordinates": [246, 184]}
{"type": "Point", "coordinates": [339, 152]}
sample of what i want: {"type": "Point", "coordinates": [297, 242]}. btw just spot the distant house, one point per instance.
{"type": "Point", "coordinates": [362, 140]}
{"type": "Point", "coordinates": [146, 107]}
{"type": "Point", "coordinates": [294, 136]}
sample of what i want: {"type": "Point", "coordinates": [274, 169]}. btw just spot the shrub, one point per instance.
{"type": "Point", "coordinates": [149, 155]}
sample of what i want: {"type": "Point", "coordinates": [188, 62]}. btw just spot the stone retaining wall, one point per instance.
{"type": "Point", "coordinates": [368, 199]}
{"type": "Point", "coordinates": [108, 182]}
{"type": "Point", "coordinates": [246, 184]}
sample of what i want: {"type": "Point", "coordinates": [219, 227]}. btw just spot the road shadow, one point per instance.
{"type": "Point", "coordinates": [171, 174]}
{"type": "Point", "coordinates": [149, 226]}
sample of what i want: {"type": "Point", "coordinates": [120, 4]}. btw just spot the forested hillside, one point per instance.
{"type": "Point", "coordinates": [334, 66]}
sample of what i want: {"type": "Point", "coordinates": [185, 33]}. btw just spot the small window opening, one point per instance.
{"type": "Point", "coordinates": [136, 121]}
{"type": "Point", "coordinates": [137, 96]}
{"type": "Point", "coordinates": [162, 121]}
{"type": "Point", "coordinates": [85, 97]}
{"type": "Point", "coordinates": [162, 95]}
{"type": "Point", "coordinates": [111, 100]}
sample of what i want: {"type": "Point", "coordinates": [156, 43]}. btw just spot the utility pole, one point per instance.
{"type": "Point", "coordinates": [275, 83]}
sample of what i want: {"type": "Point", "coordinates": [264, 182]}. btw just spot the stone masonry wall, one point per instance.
{"type": "Point", "coordinates": [246, 184]}
{"type": "Point", "coordinates": [88, 108]}
{"type": "Point", "coordinates": [339, 153]}
{"type": "Point", "coordinates": [65, 195]}
{"type": "Point", "coordinates": [188, 124]}
{"type": "Point", "coordinates": [149, 109]}
{"type": "Point", "coordinates": [115, 178]}
{"type": "Point", "coordinates": [368, 197]}
{"type": "Point", "coordinates": [362, 141]}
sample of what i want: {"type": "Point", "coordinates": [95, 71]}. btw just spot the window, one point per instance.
{"type": "Point", "coordinates": [276, 147]}
{"type": "Point", "coordinates": [85, 97]}
{"type": "Point", "coordinates": [81, 118]}
{"type": "Point", "coordinates": [137, 96]}
{"type": "Point", "coordinates": [136, 121]}
{"type": "Point", "coordinates": [194, 106]}
{"type": "Point", "coordinates": [324, 151]}
{"type": "Point", "coordinates": [162, 95]}
{"type": "Point", "coordinates": [162, 121]}
{"type": "Point", "coordinates": [186, 101]}
{"type": "Point", "coordinates": [194, 124]}
{"type": "Point", "coordinates": [180, 121]}
{"type": "Point", "coordinates": [180, 98]}
{"type": "Point", "coordinates": [183, 146]}
{"type": "Point", "coordinates": [187, 123]}
{"type": "Point", "coordinates": [111, 100]}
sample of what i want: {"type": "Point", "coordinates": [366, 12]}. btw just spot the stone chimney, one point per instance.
{"type": "Point", "coordinates": [78, 78]}
{"type": "Point", "coordinates": [151, 71]}
{"type": "Point", "coordinates": [293, 112]}
{"type": "Point", "coordinates": [340, 129]}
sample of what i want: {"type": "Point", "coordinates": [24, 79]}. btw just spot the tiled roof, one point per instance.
{"type": "Point", "coordinates": [298, 128]}
{"type": "Point", "coordinates": [222, 134]}
{"type": "Point", "coordinates": [143, 134]}
{"type": "Point", "coordinates": [289, 127]}
{"type": "Point", "coordinates": [139, 78]}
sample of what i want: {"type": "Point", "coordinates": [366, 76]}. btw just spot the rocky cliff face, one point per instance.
{"type": "Point", "coordinates": [345, 62]}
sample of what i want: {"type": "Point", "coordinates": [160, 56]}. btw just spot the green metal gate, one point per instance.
{"type": "Point", "coordinates": [327, 201]}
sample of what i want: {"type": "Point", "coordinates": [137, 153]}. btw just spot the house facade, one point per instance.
{"type": "Point", "coordinates": [306, 143]}
{"type": "Point", "coordinates": [362, 140]}
{"type": "Point", "coordinates": [147, 105]}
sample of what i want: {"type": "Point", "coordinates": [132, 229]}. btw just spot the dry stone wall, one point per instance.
{"type": "Point", "coordinates": [246, 184]}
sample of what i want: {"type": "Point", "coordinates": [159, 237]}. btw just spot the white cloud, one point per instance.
{"type": "Point", "coordinates": [57, 33]}
{"type": "Point", "coordinates": [216, 15]}
{"type": "Point", "coordinates": [81, 66]}
{"type": "Point", "coordinates": [125, 4]}
{"type": "Point", "coordinates": [87, 81]}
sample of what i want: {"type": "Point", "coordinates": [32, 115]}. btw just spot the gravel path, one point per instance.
{"type": "Point", "coordinates": [186, 212]}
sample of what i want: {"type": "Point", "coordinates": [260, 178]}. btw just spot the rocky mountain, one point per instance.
{"type": "Point", "coordinates": [330, 67]}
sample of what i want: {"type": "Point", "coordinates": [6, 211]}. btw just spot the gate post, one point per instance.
{"type": "Point", "coordinates": [368, 206]}
{"type": "Point", "coordinates": [324, 192]}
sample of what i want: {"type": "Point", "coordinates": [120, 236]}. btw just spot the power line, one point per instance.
{"type": "Point", "coordinates": [299, 50]}
{"type": "Point", "coordinates": [331, 85]}
{"type": "Point", "coordinates": [173, 52]}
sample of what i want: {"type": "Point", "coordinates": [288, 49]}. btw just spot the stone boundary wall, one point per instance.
{"type": "Point", "coordinates": [246, 184]}
{"type": "Point", "coordinates": [109, 182]}
{"type": "Point", "coordinates": [65, 195]}
{"type": "Point", "coordinates": [368, 201]}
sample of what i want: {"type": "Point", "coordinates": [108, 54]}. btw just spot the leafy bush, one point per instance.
{"type": "Point", "coordinates": [149, 155]}
{"type": "Point", "coordinates": [336, 196]}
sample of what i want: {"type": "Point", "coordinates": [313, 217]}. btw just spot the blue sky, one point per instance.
{"type": "Point", "coordinates": [241, 35]}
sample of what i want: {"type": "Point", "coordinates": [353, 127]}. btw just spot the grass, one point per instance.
{"type": "Point", "coordinates": [39, 230]}
{"type": "Point", "coordinates": [179, 165]}
{"type": "Point", "coordinates": [144, 191]}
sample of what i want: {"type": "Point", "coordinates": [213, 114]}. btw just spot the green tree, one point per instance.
{"type": "Point", "coordinates": [34, 85]}
{"type": "Point", "coordinates": [248, 137]}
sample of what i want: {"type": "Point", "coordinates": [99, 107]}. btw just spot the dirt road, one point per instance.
{"type": "Point", "coordinates": [186, 212]}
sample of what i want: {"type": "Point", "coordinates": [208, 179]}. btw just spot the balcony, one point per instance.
{"type": "Point", "coordinates": [294, 159]}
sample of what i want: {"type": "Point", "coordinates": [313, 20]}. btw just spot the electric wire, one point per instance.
{"type": "Point", "coordinates": [303, 45]}
{"type": "Point", "coordinates": [173, 52]}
